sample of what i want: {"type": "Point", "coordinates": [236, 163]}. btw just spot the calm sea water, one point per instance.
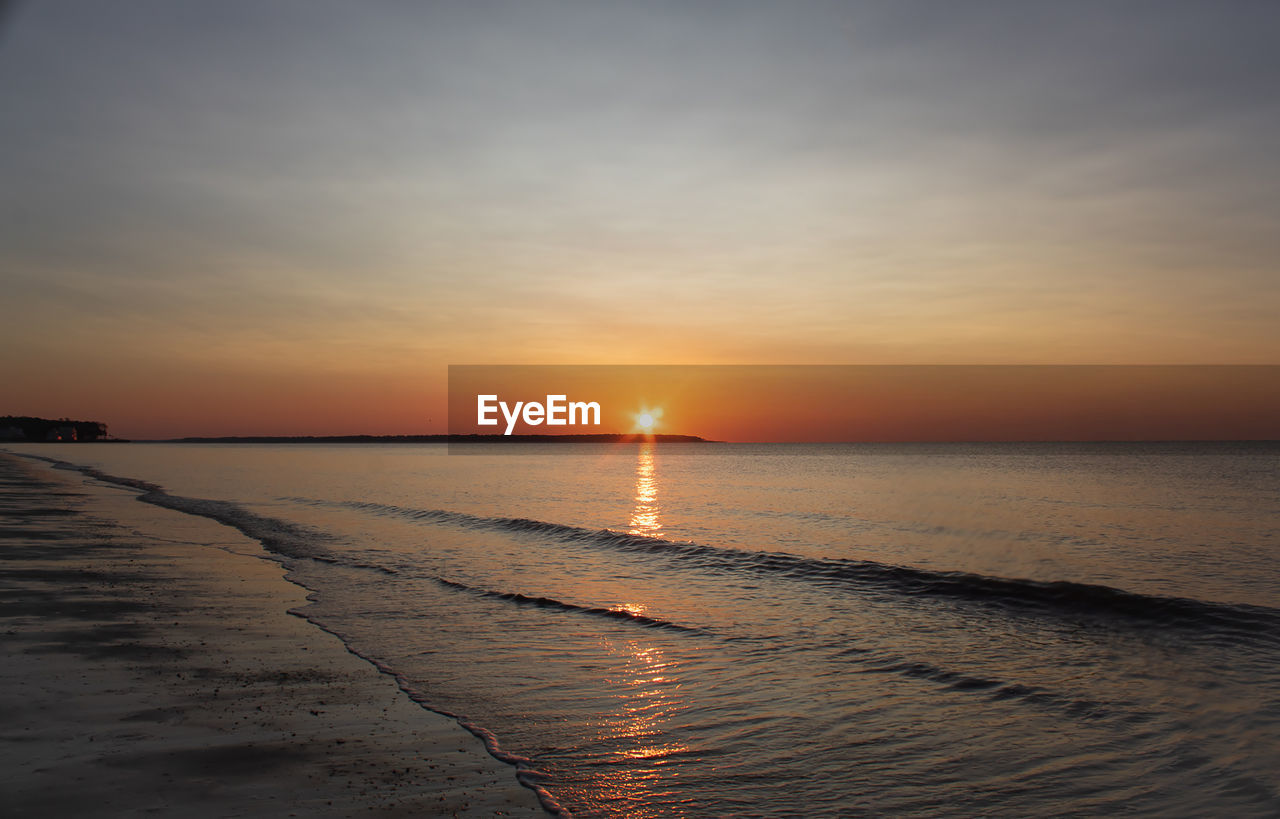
{"type": "Point", "coordinates": [801, 630]}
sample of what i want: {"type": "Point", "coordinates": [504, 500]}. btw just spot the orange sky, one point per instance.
{"type": "Point", "coordinates": [897, 403]}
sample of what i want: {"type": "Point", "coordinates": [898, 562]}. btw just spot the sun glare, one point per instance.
{"type": "Point", "coordinates": [647, 419]}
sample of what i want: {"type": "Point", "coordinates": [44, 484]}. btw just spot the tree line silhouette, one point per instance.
{"type": "Point", "coordinates": [28, 428]}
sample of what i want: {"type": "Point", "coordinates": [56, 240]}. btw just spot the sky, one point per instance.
{"type": "Point", "coordinates": [291, 217]}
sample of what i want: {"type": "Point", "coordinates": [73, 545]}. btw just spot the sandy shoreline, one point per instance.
{"type": "Point", "coordinates": [151, 665]}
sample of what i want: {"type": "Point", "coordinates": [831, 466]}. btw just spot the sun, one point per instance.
{"type": "Point", "coordinates": [647, 419]}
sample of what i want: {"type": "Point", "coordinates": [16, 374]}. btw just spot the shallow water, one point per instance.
{"type": "Point", "coordinates": [800, 630]}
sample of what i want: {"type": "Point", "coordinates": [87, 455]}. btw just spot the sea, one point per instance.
{"type": "Point", "coordinates": [708, 630]}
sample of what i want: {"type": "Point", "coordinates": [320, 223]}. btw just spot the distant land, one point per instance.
{"type": "Point", "coordinates": [602, 438]}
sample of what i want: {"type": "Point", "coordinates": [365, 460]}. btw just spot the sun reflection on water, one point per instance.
{"type": "Point", "coordinates": [636, 754]}
{"type": "Point", "coordinates": [649, 694]}
{"type": "Point", "coordinates": [645, 518]}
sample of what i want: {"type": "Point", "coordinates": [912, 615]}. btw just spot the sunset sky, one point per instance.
{"type": "Point", "coordinates": [811, 403]}
{"type": "Point", "coordinates": [290, 217]}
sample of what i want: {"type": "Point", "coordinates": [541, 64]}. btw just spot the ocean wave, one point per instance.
{"type": "Point", "coordinates": [1078, 708]}
{"type": "Point", "coordinates": [281, 537]}
{"type": "Point", "coordinates": [1059, 598]}
{"type": "Point", "coordinates": [560, 605]}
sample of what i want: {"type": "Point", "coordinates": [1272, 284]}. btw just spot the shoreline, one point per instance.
{"type": "Point", "coordinates": [154, 663]}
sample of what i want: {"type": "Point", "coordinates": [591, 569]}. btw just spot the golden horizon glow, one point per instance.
{"type": "Point", "coordinates": [890, 403]}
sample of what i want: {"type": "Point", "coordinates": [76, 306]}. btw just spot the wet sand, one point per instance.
{"type": "Point", "coordinates": [151, 666]}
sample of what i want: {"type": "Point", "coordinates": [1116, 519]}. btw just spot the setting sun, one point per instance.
{"type": "Point", "coordinates": [647, 419]}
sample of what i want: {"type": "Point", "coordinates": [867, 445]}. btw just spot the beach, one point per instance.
{"type": "Point", "coordinates": [152, 665]}
{"type": "Point", "coordinates": [646, 631]}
